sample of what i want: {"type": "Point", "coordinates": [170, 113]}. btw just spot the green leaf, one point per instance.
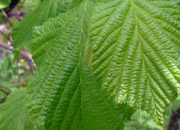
{"type": "Point", "coordinates": [136, 52]}
{"type": "Point", "coordinates": [44, 38]}
{"type": "Point", "coordinates": [1, 17]}
{"type": "Point", "coordinates": [132, 54]}
{"type": "Point", "coordinates": [177, 1]}
{"type": "Point", "coordinates": [13, 113]}
{"type": "Point", "coordinates": [22, 33]}
{"type": "Point", "coordinates": [4, 3]}
{"type": "Point", "coordinates": [141, 120]}
{"type": "Point", "coordinates": [63, 94]}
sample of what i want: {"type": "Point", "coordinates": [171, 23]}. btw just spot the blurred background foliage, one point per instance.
{"type": "Point", "coordinates": [143, 121]}
{"type": "Point", "coordinates": [13, 75]}
{"type": "Point", "coordinates": [16, 75]}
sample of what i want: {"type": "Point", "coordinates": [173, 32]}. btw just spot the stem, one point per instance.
{"type": "Point", "coordinates": [2, 101]}
{"type": "Point", "coordinates": [7, 93]}
{"type": "Point", "coordinates": [22, 53]}
{"type": "Point", "coordinates": [6, 16]}
{"type": "Point", "coordinates": [31, 69]}
{"type": "Point", "coordinates": [6, 37]}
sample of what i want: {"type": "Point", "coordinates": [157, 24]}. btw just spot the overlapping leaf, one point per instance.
{"type": "Point", "coordinates": [63, 94]}
{"type": "Point", "coordinates": [22, 34]}
{"type": "Point", "coordinates": [136, 50]}
{"type": "Point", "coordinates": [133, 52]}
{"type": "Point", "coordinates": [43, 38]}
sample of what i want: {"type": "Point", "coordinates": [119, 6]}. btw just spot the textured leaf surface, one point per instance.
{"type": "Point", "coordinates": [177, 1]}
{"type": "Point", "coordinates": [13, 114]}
{"type": "Point", "coordinates": [63, 94]}
{"type": "Point", "coordinates": [136, 52]}
{"type": "Point", "coordinates": [44, 37]}
{"type": "Point", "coordinates": [22, 33]}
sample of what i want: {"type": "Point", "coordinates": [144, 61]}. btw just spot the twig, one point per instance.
{"type": "Point", "coordinates": [9, 39]}
{"type": "Point", "coordinates": [29, 64]}
{"type": "Point", "coordinates": [6, 16]}
{"type": "Point", "coordinates": [7, 93]}
{"type": "Point", "coordinates": [17, 70]}
{"type": "Point", "coordinates": [22, 53]}
{"type": "Point", "coordinates": [2, 101]}
{"type": "Point", "coordinates": [31, 69]}
{"type": "Point", "coordinates": [11, 6]}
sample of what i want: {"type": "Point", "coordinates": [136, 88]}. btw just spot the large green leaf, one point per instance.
{"type": "Point", "coordinates": [63, 94]}
{"type": "Point", "coordinates": [136, 50]}
{"type": "Point", "coordinates": [13, 113]}
{"type": "Point", "coordinates": [22, 33]}
{"type": "Point", "coordinates": [132, 53]}
{"type": "Point", "coordinates": [4, 3]}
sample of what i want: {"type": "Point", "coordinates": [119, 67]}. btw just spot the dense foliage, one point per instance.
{"type": "Point", "coordinates": [98, 62]}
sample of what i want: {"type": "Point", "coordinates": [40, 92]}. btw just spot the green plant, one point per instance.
{"type": "Point", "coordinates": [4, 3]}
{"type": "Point", "coordinates": [100, 60]}
{"type": "Point", "coordinates": [14, 115]}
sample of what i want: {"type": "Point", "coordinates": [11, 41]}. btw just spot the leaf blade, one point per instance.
{"type": "Point", "coordinates": [13, 113]}
{"type": "Point", "coordinates": [136, 58]}
{"type": "Point", "coordinates": [61, 99]}
{"type": "Point", "coordinates": [22, 33]}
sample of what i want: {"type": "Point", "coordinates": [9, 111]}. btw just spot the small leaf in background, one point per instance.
{"type": "Point", "coordinates": [4, 3]}
{"type": "Point", "coordinates": [141, 120]}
